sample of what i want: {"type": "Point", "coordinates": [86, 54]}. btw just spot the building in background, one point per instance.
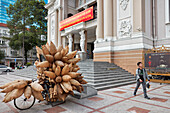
{"type": "Point", "coordinates": [12, 57]}
{"type": "Point", "coordinates": [3, 14]}
{"type": "Point", "coordinates": [119, 34]}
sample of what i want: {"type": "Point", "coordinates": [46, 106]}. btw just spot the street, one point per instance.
{"type": "Point", "coordinates": [115, 100]}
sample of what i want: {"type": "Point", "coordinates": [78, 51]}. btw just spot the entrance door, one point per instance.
{"type": "Point", "coordinates": [90, 48]}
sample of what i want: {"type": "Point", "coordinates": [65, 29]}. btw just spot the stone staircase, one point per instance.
{"type": "Point", "coordinates": [104, 75]}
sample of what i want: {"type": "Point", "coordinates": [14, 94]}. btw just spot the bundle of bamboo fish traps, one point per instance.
{"type": "Point", "coordinates": [58, 68]}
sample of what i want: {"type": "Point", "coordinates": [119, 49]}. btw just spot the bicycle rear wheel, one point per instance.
{"type": "Point", "coordinates": [22, 103]}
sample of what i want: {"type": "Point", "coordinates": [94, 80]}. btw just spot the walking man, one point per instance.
{"type": "Point", "coordinates": [141, 76]}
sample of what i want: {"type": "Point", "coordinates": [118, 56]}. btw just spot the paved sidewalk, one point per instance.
{"type": "Point", "coordinates": [115, 100]}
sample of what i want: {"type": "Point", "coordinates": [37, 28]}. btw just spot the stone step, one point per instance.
{"type": "Point", "coordinates": [108, 79]}
{"type": "Point", "coordinates": [100, 69]}
{"type": "Point", "coordinates": [99, 65]}
{"type": "Point", "coordinates": [111, 82]}
{"type": "Point", "coordinates": [115, 85]}
{"type": "Point", "coordinates": [98, 72]}
{"type": "Point", "coordinates": [106, 76]}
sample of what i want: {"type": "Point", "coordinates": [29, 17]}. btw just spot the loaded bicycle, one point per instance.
{"type": "Point", "coordinates": [23, 103]}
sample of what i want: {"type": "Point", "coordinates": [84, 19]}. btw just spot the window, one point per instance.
{"type": "Point", "coordinates": [13, 53]}
{"type": "Point", "coordinates": [4, 32]}
{"type": "Point", "coordinates": [3, 42]}
{"type": "Point", "coordinates": [88, 1]}
{"type": "Point", "coordinates": [69, 15]}
{"type": "Point", "coordinates": [81, 2]}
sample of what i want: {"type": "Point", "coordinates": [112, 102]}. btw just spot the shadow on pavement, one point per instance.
{"type": "Point", "coordinates": [3, 73]}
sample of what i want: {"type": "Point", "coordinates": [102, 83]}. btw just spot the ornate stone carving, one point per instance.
{"type": "Point", "coordinates": [70, 41]}
{"type": "Point", "coordinates": [125, 28]}
{"type": "Point", "coordinates": [52, 32]}
{"type": "Point", "coordinates": [82, 40]}
{"type": "Point", "coordinates": [124, 4]}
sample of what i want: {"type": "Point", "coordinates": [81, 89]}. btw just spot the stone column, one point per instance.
{"type": "Point", "coordinates": [56, 28]}
{"type": "Point", "coordinates": [108, 19]}
{"type": "Point", "coordinates": [70, 41]}
{"type": "Point", "coordinates": [59, 19]}
{"type": "Point", "coordinates": [64, 41]}
{"type": "Point", "coordinates": [139, 16]}
{"type": "Point", "coordinates": [48, 25]}
{"type": "Point", "coordinates": [100, 22]}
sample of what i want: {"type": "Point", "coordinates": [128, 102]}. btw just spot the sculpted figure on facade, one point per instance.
{"type": "Point", "coordinates": [70, 41]}
{"type": "Point", "coordinates": [82, 40]}
{"type": "Point", "coordinates": [124, 4]}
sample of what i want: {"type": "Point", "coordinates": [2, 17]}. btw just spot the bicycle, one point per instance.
{"type": "Point", "coordinates": [23, 103]}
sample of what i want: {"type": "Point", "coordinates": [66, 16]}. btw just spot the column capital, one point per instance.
{"type": "Point", "coordinates": [82, 32]}
{"type": "Point", "coordinates": [69, 36]}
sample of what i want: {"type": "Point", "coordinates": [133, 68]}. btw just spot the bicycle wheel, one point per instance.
{"type": "Point", "coordinates": [22, 103]}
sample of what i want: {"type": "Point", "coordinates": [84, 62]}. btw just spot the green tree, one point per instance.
{"type": "Point", "coordinates": [2, 55]}
{"type": "Point", "coordinates": [27, 23]}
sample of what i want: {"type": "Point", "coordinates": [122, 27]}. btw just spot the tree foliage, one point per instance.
{"type": "Point", "coordinates": [27, 22]}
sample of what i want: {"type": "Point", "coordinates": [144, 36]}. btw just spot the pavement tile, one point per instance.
{"type": "Point", "coordinates": [160, 92]}
{"type": "Point", "coordinates": [124, 106]}
{"type": "Point", "coordinates": [96, 112]}
{"type": "Point", "coordinates": [167, 92]}
{"type": "Point", "coordinates": [56, 109]}
{"type": "Point", "coordinates": [138, 110]}
{"type": "Point", "coordinates": [95, 98]}
{"type": "Point", "coordinates": [114, 100]}
{"type": "Point", "coordinates": [4, 107]}
{"type": "Point", "coordinates": [122, 93]}
{"type": "Point", "coordinates": [159, 99]}
{"type": "Point", "coordinates": [119, 92]}
{"type": "Point", "coordinates": [97, 104]}
{"type": "Point", "coordinates": [37, 108]}
{"type": "Point", "coordinates": [75, 107]}
{"type": "Point", "coordinates": [154, 100]}
{"type": "Point", "coordinates": [135, 87]}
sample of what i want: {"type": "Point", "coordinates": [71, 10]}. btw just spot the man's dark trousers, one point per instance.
{"type": "Point", "coordinates": [144, 87]}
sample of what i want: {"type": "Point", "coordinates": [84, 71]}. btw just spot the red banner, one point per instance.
{"type": "Point", "coordinates": [77, 18]}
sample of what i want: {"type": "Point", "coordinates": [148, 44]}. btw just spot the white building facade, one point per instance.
{"type": "Point", "coordinates": [120, 31]}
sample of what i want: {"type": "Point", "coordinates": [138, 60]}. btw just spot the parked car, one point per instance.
{"type": "Point", "coordinates": [5, 68]}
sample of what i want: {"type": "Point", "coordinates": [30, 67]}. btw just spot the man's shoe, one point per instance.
{"type": "Point", "coordinates": [147, 97]}
{"type": "Point", "coordinates": [134, 94]}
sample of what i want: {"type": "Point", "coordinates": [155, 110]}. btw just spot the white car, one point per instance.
{"type": "Point", "coordinates": [5, 68]}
